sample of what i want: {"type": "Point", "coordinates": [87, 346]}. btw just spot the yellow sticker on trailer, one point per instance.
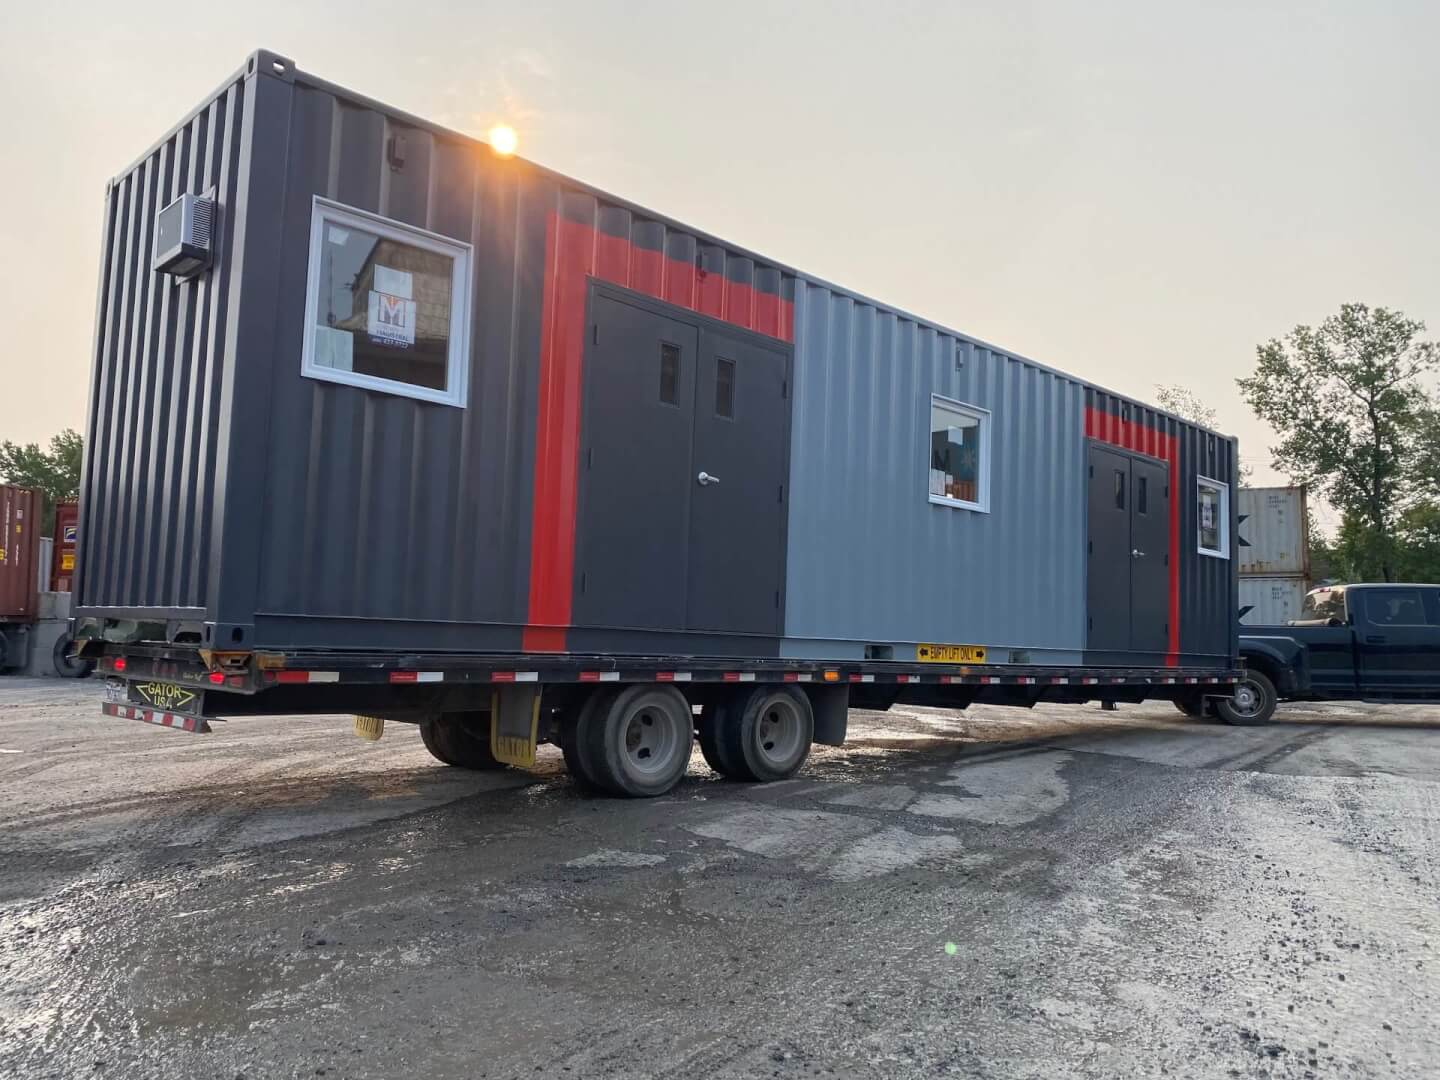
{"type": "Point", "coordinates": [950, 654]}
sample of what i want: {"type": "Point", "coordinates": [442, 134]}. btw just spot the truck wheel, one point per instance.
{"type": "Point", "coordinates": [637, 744]}
{"type": "Point", "coordinates": [1253, 703]}
{"type": "Point", "coordinates": [66, 666]}
{"type": "Point", "coordinates": [573, 729]}
{"type": "Point", "coordinates": [766, 735]}
{"type": "Point", "coordinates": [460, 739]}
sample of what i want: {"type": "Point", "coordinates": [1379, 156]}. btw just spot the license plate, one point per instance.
{"type": "Point", "coordinates": [115, 690]}
{"type": "Point", "coordinates": [166, 696]}
{"type": "Point", "coordinates": [950, 654]}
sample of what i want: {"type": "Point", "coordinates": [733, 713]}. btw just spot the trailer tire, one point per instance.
{"type": "Point", "coordinates": [573, 729]}
{"type": "Point", "coordinates": [461, 740]}
{"type": "Point", "coordinates": [766, 735]}
{"type": "Point", "coordinates": [637, 745]}
{"type": "Point", "coordinates": [1253, 704]}
{"type": "Point", "coordinates": [713, 718]}
{"type": "Point", "coordinates": [66, 666]}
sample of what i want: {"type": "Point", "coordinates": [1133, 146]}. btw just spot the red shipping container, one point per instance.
{"type": "Point", "coordinates": [62, 559]}
{"type": "Point", "coordinates": [19, 552]}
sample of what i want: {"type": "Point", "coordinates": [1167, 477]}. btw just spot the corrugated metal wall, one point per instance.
{"type": "Point", "coordinates": [19, 554]}
{"type": "Point", "coordinates": [870, 558]}
{"type": "Point", "coordinates": [151, 469]}
{"type": "Point", "coordinates": [1273, 531]}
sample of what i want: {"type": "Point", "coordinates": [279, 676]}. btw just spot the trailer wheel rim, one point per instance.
{"type": "Point", "coordinates": [1247, 699]}
{"type": "Point", "coordinates": [650, 741]}
{"type": "Point", "coordinates": [779, 731]}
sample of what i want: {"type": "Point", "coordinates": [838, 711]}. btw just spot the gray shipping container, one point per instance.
{"type": "Point", "coordinates": [428, 398]}
{"type": "Point", "coordinates": [1273, 532]}
{"type": "Point", "coordinates": [1271, 600]}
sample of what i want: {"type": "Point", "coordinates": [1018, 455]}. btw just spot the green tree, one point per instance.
{"type": "Point", "coordinates": [1348, 402]}
{"type": "Point", "coordinates": [54, 472]}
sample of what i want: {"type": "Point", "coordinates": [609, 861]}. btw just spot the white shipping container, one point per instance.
{"type": "Point", "coordinates": [1272, 528]}
{"type": "Point", "coordinates": [1271, 600]}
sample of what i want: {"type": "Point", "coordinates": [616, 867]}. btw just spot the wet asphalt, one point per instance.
{"type": "Point", "coordinates": [1061, 892]}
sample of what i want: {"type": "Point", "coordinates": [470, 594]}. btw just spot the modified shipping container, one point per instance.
{"type": "Point", "coordinates": [400, 395]}
{"type": "Point", "coordinates": [1274, 532]}
{"type": "Point", "coordinates": [1271, 600]}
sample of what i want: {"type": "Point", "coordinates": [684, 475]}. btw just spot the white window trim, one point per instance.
{"type": "Point", "coordinates": [982, 505]}
{"type": "Point", "coordinates": [1224, 488]}
{"type": "Point", "coordinates": [457, 367]}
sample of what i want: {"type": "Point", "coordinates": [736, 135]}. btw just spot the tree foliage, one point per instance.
{"type": "Point", "coordinates": [55, 472]}
{"type": "Point", "coordinates": [1348, 401]}
{"type": "Point", "coordinates": [1186, 404]}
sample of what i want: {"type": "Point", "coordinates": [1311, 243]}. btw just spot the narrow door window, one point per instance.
{"type": "Point", "coordinates": [669, 373]}
{"type": "Point", "coordinates": [725, 388]}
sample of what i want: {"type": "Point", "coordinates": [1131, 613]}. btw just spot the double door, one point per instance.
{"type": "Point", "coordinates": [1128, 578]}
{"type": "Point", "coordinates": [683, 466]}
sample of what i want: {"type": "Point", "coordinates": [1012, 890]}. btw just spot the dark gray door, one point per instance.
{"type": "Point", "coordinates": [739, 461]}
{"type": "Point", "coordinates": [1128, 577]}
{"type": "Point", "coordinates": [1108, 576]}
{"type": "Point", "coordinates": [1149, 556]}
{"type": "Point", "coordinates": [633, 516]}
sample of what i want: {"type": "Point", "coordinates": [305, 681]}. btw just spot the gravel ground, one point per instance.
{"type": "Point", "coordinates": [995, 893]}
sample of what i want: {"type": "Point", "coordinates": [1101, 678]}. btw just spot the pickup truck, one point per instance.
{"type": "Point", "coordinates": [1376, 643]}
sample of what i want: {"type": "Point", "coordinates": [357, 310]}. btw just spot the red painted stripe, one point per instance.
{"type": "Point", "coordinates": [1128, 435]}
{"type": "Point", "coordinates": [575, 251]}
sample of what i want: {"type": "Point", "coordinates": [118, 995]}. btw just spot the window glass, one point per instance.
{"type": "Point", "coordinates": [1214, 517]}
{"type": "Point", "coordinates": [382, 306]}
{"type": "Point", "coordinates": [669, 373]}
{"type": "Point", "coordinates": [724, 387]}
{"type": "Point", "coordinates": [1394, 607]}
{"type": "Point", "coordinates": [957, 454]}
{"type": "Point", "coordinates": [1324, 604]}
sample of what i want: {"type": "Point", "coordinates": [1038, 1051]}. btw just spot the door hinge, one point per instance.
{"type": "Point", "coordinates": [1090, 548]}
{"type": "Point", "coordinates": [1091, 622]}
{"type": "Point", "coordinates": [780, 494]}
{"type": "Point", "coordinates": [784, 388]}
{"type": "Point", "coordinates": [777, 598]}
{"type": "Point", "coordinates": [583, 580]}
{"type": "Point", "coordinates": [1092, 471]}
{"type": "Point", "coordinates": [590, 458]}
{"type": "Point", "coordinates": [1167, 560]}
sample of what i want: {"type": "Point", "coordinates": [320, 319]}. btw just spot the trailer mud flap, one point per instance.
{"type": "Point", "coordinates": [514, 724]}
{"type": "Point", "coordinates": [197, 725]}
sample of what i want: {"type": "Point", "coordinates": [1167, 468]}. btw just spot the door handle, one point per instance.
{"type": "Point", "coordinates": [706, 479]}
{"type": "Point", "coordinates": [1374, 639]}
{"type": "Point", "coordinates": [1136, 553]}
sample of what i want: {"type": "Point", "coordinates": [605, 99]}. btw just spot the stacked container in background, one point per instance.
{"type": "Point", "coordinates": [1274, 551]}
{"type": "Point", "coordinates": [19, 570]}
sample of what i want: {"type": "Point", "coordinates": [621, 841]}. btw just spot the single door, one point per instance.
{"type": "Point", "coordinates": [1149, 556]}
{"type": "Point", "coordinates": [1108, 576]}
{"type": "Point", "coordinates": [1399, 640]}
{"type": "Point", "coordinates": [635, 482]}
{"type": "Point", "coordinates": [740, 467]}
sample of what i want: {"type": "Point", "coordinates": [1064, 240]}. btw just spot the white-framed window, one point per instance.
{"type": "Point", "coordinates": [959, 455]}
{"type": "Point", "coordinates": [1213, 520]}
{"type": "Point", "coordinates": [387, 306]}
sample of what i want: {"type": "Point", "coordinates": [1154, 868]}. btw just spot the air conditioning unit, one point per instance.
{"type": "Point", "coordinates": [184, 236]}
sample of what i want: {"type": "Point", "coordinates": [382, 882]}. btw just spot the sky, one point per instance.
{"type": "Point", "coordinates": [1137, 193]}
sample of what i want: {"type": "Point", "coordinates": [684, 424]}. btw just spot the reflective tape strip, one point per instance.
{"type": "Point", "coordinates": [404, 676]}
{"type": "Point", "coordinates": [904, 678]}
{"type": "Point", "coordinates": [673, 676]}
{"type": "Point", "coordinates": [429, 676]}
{"type": "Point", "coordinates": [195, 724]}
{"type": "Point", "coordinates": [739, 676]}
{"type": "Point", "coordinates": [862, 678]}
{"type": "Point", "coordinates": [1026, 679]}
{"type": "Point", "coordinates": [599, 676]}
{"type": "Point", "coordinates": [1089, 680]}
{"type": "Point", "coordinates": [1059, 679]}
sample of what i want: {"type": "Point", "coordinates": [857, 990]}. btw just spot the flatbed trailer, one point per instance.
{"type": "Point", "coordinates": [508, 704]}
